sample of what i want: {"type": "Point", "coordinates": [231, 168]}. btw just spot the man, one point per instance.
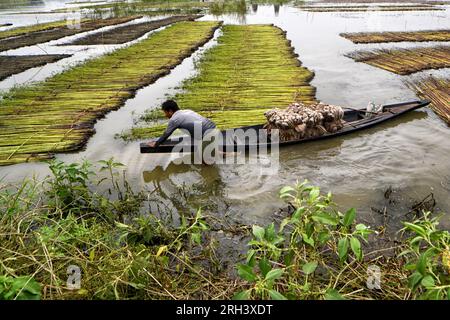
{"type": "Point", "coordinates": [181, 119]}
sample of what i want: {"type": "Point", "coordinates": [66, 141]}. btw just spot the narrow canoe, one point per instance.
{"type": "Point", "coordinates": [354, 120]}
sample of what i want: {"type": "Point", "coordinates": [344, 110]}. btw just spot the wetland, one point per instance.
{"type": "Point", "coordinates": [138, 215]}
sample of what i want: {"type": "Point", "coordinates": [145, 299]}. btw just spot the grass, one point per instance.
{"type": "Point", "coordinates": [437, 90]}
{"type": "Point", "coordinates": [58, 115]}
{"type": "Point", "coordinates": [405, 61]}
{"type": "Point", "coordinates": [252, 69]}
{"type": "Point", "coordinates": [126, 251]}
{"type": "Point", "coordinates": [140, 257]}
{"type": "Point", "coordinates": [413, 36]}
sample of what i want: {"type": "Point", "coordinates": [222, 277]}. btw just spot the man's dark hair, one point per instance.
{"type": "Point", "coordinates": [170, 105]}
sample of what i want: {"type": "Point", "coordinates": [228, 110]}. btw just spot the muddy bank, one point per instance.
{"type": "Point", "coordinates": [37, 37]}
{"type": "Point", "coordinates": [10, 65]}
{"type": "Point", "coordinates": [130, 32]}
{"type": "Point", "coordinates": [380, 37]}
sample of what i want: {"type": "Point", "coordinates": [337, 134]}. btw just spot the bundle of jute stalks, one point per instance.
{"type": "Point", "coordinates": [299, 121]}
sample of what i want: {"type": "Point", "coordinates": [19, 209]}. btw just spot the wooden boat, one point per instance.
{"type": "Point", "coordinates": [354, 120]}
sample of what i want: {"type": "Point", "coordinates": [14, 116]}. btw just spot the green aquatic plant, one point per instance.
{"type": "Point", "coordinates": [140, 256]}
{"type": "Point", "coordinates": [428, 258]}
{"type": "Point", "coordinates": [58, 114]}
{"type": "Point", "coordinates": [316, 236]}
{"type": "Point", "coordinates": [252, 69]}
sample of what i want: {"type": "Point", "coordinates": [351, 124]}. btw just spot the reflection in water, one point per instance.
{"type": "Point", "coordinates": [276, 9]}
{"type": "Point", "coordinates": [204, 188]}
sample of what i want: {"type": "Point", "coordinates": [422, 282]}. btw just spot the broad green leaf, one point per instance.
{"type": "Point", "coordinates": [275, 295]}
{"type": "Point", "coordinates": [324, 236]}
{"type": "Point", "coordinates": [258, 232]}
{"type": "Point", "coordinates": [298, 213]}
{"type": "Point", "coordinates": [274, 274]}
{"type": "Point", "coordinates": [349, 217]}
{"type": "Point", "coordinates": [25, 288]}
{"type": "Point", "coordinates": [356, 248]}
{"type": "Point", "coordinates": [243, 295]}
{"type": "Point", "coordinates": [264, 266]}
{"type": "Point", "coordinates": [309, 267]}
{"type": "Point", "coordinates": [414, 280]}
{"type": "Point", "coordinates": [428, 281]}
{"type": "Point", "coordinates": [422, 264]}
{"type": "Point", "coordinates": [251, 258]}
{"type": "Point", "coordinates": [196, 237]}
{"type": "Point", "coordinates": [246, 272]}
{"type": "Point", "coordinates": [360, 227]}
{"type": "Point", "coordinates": [333, 294]}
{"type": "Point", "coordinates": [343, 248]}
{"type": "Point", "coordinates": [417, 229]}
{"type": "Point", "coordinates": [289, 257]}
{"type": "Point", "coordinates": [286, 191]}
{"type": "Point", "coordinates": [325, 218]}
{"type": "Point", "coordinates": [308, 240]}
{"type": "Point", "coordinates": [270, 232]}
{"type": "Point", "coordinates": [314, 194]}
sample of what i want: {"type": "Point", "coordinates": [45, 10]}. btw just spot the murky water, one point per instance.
{"type": "Point", "coordinates": [409, 154]}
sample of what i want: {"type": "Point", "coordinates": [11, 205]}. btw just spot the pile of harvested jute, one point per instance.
{"type": "Point", "coordinates": [299, 121]}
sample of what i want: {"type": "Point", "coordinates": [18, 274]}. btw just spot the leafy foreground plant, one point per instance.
{"type": "Point", "coordinates": [47, 228]}
{"type": "Point", "coordinates": [429, 258]}
{"type": "Point", "coordinates": [317, 253]}
{"type": "Point", "coordinates": [123, 251]}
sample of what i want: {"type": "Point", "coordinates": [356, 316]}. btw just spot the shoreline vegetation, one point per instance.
{"type": "Point", "coordinates": [27, 36]}
{"type": "Point", "coordinates": [405, 61]}
{"type": "Point", "coordinates": [61, 111]}
{"type": "Point", "coordinates": [437, 90]}
{"type": "Point", "coordinates": [252, 69]}
{"type": "Point", "coordinates": [125, 251]}
{"type": "Point", "coordinates": [400, 36]}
